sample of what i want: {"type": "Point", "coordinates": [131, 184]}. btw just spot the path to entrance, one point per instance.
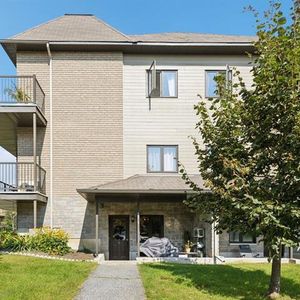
{"type": "Point", "coordinates": [113, 280]}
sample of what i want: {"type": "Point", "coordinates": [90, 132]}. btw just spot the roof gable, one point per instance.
{"type": "Point", "coordinates": [73, 28]}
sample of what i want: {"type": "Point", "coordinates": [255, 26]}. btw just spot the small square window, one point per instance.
{"type": "Point", "coordinates": [211, 88]}
{"type": "Point", "coordinates": [162, 159]}
{"type": "Point", "coordinates": [166, 84]}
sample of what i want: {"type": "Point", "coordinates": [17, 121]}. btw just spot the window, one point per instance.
{"type": "Point", "coordinates": [211, 83]}
{"type": "Point", "coordinates": [166, 84]}
{"type": "Point", "coordinates": [151, 225]}
{"type": "Point", "coordinates": [238, 237]}
{"type": "Point", "coordinates": [162, 159]}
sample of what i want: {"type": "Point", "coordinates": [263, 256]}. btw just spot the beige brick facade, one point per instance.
{"type": "Point", "coordinates": [87, 128]}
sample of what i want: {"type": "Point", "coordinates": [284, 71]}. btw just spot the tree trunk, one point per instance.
{"type": "Point", "coordinates": [274, 287]}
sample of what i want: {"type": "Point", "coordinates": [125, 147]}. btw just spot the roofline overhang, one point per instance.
{"type": "Point", "coordinates": [85, 193]}
{"type": "Point", "coordinates": [11, 47]}
{"type": "Point", "coordinates": [143, 43]}
{"type": "Point", "coordinates": [109, 191]}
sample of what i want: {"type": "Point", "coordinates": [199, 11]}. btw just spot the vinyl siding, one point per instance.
{"type": "Point", "coordinates": [170, 120]}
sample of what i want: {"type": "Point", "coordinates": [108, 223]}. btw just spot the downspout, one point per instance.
{"type": "Point", "coordinates": [51, 135]}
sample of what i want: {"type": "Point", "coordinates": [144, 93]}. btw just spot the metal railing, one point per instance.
{"type": "Point", "coordinates": [19, 177]}
{"type": "Point", "coordinates": [21, 90]}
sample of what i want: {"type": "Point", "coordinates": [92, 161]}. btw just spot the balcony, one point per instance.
{"type": "Point", "coordinates": [22, 96]}
{"type": "Point", "coordinates": [22, 177]}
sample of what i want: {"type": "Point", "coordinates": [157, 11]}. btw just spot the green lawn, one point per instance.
{"type": "Point", "coordinates": [34, 278]}
{"type": "Point", "coordinates": [207, 282]}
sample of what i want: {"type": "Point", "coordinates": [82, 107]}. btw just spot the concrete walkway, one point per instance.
{"type": "Point", "coordinates": [113, 280]}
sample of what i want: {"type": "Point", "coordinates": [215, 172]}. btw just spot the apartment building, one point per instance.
{"type": "Point", "coordinates": [98, 121]}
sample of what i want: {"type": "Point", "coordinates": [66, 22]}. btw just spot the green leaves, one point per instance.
{"type": "Point", "coordinates": [249, 151]}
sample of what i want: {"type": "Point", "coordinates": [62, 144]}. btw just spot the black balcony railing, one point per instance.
{"type": "Point", "coordinates": [19, 177]}
{"type": "Point", "coordinates": [21, 90]}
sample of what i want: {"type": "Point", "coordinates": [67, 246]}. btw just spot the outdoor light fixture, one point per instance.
{"type": "Point", "coordinates": [132, 218]}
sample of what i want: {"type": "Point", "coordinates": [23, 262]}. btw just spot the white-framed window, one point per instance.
{"type": "Point", "coordinates": [236, 237]}
{"type": "Point", "coordinates": [211, 88]}
{"type": "Point", "coordinates": [166, 84]}
{"type": "Point", "coordinates": [162, 158]}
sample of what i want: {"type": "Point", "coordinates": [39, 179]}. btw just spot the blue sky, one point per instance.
{"type": "Point", "coordinates": [133, 17]}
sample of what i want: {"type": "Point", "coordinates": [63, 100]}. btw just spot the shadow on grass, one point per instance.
{"type": "Point", "coordinates": [228, 281]}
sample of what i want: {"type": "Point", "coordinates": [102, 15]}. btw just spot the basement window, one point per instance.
{"type": "Point", "coordinates": [236, 237]}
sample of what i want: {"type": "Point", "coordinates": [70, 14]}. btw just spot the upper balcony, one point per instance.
{"type": "Point", "coordinates": [22, 181]}
{"type": "Point", "coordinates": [22, 96]}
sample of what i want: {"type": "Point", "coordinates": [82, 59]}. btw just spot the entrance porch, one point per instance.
{"type": "Point", "coordinates": [130, 211]}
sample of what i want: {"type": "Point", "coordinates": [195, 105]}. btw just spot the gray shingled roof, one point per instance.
{"type": "Point", "coordinates": [88, 28]}
{"type": "Point", "coordinates": [181, 37]}
{"type": "Point", "coordinates": [147, 183]}
{"type": "Point", "coordinates": [73, 28]}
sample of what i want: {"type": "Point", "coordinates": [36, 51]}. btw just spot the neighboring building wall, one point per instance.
{"type": "Point", "coordinates": [170, 120]}
{"type": "Point", "coordinates": [8, 134]}
{"type": "Point", "coordinates": [87, 128]}
{"type": "Point", "coordinates": [177, 220]}
{"type": "Point", "coordinates": [7, 206]}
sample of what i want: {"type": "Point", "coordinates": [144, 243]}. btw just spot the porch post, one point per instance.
{"type": "Point", "coordinates": [34, 153]}
{"type": "Point", "coordinates": [34, 214]}
{"type": "Point", "coordinates": [215, 243]}
{"type": "Point", "coordinates": [138, 228]}
{"type": "Point", "coordinates": [97, 228]}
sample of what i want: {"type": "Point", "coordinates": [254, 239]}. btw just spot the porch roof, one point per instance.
{"type": "Point", "coordinates": [144, 184]}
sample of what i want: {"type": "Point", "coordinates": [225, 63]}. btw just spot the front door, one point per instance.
{"type": "Point", "coordinates": [119, 237]}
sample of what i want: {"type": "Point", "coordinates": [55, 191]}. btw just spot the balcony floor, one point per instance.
{"type": "Point", "coordinates": [23, 113]}
{"type": "Point", "coordinates": [23, 196]}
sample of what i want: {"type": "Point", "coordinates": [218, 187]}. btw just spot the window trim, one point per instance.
{"type": "Point", "coordinates": [206, 80]}
{"type": "Point", "coordinates": [160, 83]}
{"type": "Point", "coordinates": [241, 242]}
{"type": "Point", "coordinates": [161, 158]}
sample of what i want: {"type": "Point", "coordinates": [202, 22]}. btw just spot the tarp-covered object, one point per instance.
{"type": "Point", "coordinates": [158, 247]}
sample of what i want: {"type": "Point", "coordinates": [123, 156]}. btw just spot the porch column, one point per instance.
{"type": "Point", "coordinates": [138, 228]}
{"type": "Point", "coordinates": [34, 153]}
{"type": "Point", "coordinates": [34, 214]}
{"type": "Point", "coordinates": [215, 243]}
{"type": "Point", "coordinates": [97, 229]}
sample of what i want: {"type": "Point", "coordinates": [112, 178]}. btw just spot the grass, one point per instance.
{"type": "Point", "coordinates": [216, 282]}
{"type": "Point", "coordinates": [34, 278]}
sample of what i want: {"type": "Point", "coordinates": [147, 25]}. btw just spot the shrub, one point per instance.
{"type": "Point", "coordinates": [12, 241]}
{"type": "Point", "coordinates": [50, 241]}
{"type": "Point", "coordinates": [8, 224]}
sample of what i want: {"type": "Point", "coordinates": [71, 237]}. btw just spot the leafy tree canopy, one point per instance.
{"type": "Point", "coordinates": [249, 152]}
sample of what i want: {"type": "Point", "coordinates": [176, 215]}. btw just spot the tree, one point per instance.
{"type": "Point", "coordinates": [249, 153]}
